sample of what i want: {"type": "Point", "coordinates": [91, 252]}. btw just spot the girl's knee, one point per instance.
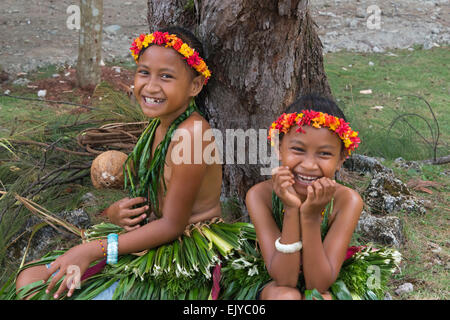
{"type": "Point", "coordinates": [274, 292]}
{"type": "Point", "coordinates": [327, 295]}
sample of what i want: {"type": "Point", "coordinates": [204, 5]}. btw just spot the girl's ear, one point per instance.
{"type": "Point", "coordinates": [197, 85]}
{"type": "Point", "coordinates": [343, 157]}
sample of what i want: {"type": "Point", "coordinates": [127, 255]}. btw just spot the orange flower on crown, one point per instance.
{"type": "Point", "coordinates": [317, 120]}
{"type": "Point", "coordinates": [171, 40]}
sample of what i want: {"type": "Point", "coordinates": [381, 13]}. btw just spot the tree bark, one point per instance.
{"type": "Point", "coordinates": [263, 54]}
{"type": "Point", "coordinates": [90, 43]}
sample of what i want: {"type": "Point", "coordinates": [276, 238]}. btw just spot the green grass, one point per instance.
{"type": "Point", "coordinates": [391, 78]}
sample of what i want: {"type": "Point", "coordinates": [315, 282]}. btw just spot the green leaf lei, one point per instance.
{"type": "Point", "coordinates": [144, 180]}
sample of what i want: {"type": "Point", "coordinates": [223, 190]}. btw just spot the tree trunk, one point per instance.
{"type": "Point", "coordinates": [90, 43]}
{"type": "Point", "coordinates": [263, 54]}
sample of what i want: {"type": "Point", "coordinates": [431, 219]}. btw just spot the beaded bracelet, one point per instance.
{"type": "Point", "coordinates": [103, 248]}
{"type": "Point", "coordinates": [113, 248]}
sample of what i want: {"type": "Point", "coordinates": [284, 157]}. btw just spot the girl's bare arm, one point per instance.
{"type": "Point", "coordinates": [282, 267]}
{"type": "Point", "coordinates": [322, 261]}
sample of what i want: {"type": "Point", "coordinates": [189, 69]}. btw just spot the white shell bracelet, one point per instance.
{"type": "Point", "coordinates": [288, 248]}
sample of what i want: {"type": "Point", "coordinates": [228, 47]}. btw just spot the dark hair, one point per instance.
{"type": "Point", "coordinates": [192, 41]}
{"type": "Point", "coordinates": [316, 102]}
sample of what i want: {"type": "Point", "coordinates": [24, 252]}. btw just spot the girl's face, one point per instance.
{"type": "Point", "coordinates": [311, 155]}
{"type": "Point", "coordinates": [164, 83]}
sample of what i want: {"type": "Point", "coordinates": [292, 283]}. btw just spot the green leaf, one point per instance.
{"type": "Point", "coordinates": [29, 288]}
{"type": "Point", "coordinates": [313, 295]}
{"type": "Point", "coordinates": [341, 291]}
{"type": "Point", "coordinates": [370, 295]}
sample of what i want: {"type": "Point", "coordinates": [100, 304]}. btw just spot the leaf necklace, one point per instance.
{"type": "Point", "coordinates": [142, 179]}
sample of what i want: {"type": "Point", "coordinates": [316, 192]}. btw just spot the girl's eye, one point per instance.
{"type": "Point", "coordinates": [325, 153]}
{"type": "Point", "coordinates": [143, 72]}
{"type": "Point", "coordinates": [166, 76]}
{"type": "Point", "coordinates": [298, 149]}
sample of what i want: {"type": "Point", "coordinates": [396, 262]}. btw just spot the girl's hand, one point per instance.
{"type": "Point", "coordinates": [72, 265]}
{"type": "Point", "coordinates": [122, 214]}
{"type": "Point", "coordinates": [283, 180]}
{"type": "Point", "coordinates": [319, 195]}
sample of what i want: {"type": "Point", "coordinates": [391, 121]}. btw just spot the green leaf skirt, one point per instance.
{"type": "Point", "coordinates": [212, 260]}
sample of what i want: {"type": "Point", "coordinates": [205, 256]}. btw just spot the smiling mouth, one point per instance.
{"type": "Point", "coordinates": [302, 179]}
{"type": "Point", "coordinates": [149, 100]}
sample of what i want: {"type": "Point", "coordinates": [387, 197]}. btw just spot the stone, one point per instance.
{"type": "Point", "coordinates": [42, 93]}
{"type": "Point", "coordinates": [21, 82]}
{"type": "Point", "coordinates": [360, 13]}
{"type": "Point", "coordinates": [77, 217]}
{"type": "Point", "coordinates": [112, 29]}
{"type": "Point", "coordinates": [364, 164]}
{"type": "Point", "coordinates": [387, 230]}
{"type": "Point", "coordinates": [88, 198]}
{"type": "Point", "coordinates": [47, 238]}
{"type": "Point", "coordinates": [404, 288]}
{"type": "Point", "coordinates": [386, 194]}
{"type": "Point", "coordinates": [387, 296]}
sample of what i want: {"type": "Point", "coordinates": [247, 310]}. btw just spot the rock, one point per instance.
{"type": "Point", "coordinates": [42, 93]}
{"type": "Point", "coordinates": [428, 44]}
{"type": "Point", "coordinates": [112, 29]}
{"type": "Point", "coordinates": [21, 82]}
{"type": "Point", "coordinates": [387, 194]}
{"type": "Point", "coordinates": [387, 296]}
{"type": "Point", "coordinates": [352, 23]}
{"type": "Point", "coordinates": [404, 288]}
{"type": "Point", "coordinates": [435, 30]}
{"type": "Point", "coordinates": [360, 13]}
{"type": "Point", "coordinates": [364, 164]}
{"type": "Point", "coordinates": [402, 163]}
{"type": "Point", "coordinates": [77, 217]}
{"type": "Point", "coordinates": [47, 238]}
{"type": "Point", "coordinates": [387, 230]}
{"type": "Point", "coordinates": [377, 49]}
{"type": "Point", "coordinates": [88, 198]}
{"type": "Point", "coordinates": [371, 63]}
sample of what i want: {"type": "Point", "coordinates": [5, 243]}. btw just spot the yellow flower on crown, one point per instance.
{"type": "Point", "coordinates": [147, 40]}
{"type": "Point", "coordinates": [186, 51]}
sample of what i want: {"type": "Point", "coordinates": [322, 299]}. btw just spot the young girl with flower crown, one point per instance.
{"type": "Point", "coordinates": [304, 219]}
{"type": "Point", "coordinates": [170, 74]}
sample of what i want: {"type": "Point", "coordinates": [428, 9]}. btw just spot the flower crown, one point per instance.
{"type": "Point", "coordinates": [317, 120]}
{"type": "Point", "coordinates": [160, 38]}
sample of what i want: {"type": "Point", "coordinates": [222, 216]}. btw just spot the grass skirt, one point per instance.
{"type": "Point", "coordinates": [212, 260]}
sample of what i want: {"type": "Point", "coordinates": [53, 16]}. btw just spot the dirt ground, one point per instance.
{"type": "Point", "coordinates": [34, 33]}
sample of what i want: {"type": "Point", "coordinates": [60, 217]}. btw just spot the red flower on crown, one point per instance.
{"type": "Point", "coordinates": [194, 59]}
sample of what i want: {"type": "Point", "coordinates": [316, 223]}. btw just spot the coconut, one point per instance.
{"type": "Point", "coordinates": [107, 170]}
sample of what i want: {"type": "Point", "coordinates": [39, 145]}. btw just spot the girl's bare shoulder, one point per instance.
{"type": "Point", "coordinates": [195, 120]}
{"type": "Point", "coordinates": [260, 193]}
{"type": "Point", "coordinates": [347, 199]}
